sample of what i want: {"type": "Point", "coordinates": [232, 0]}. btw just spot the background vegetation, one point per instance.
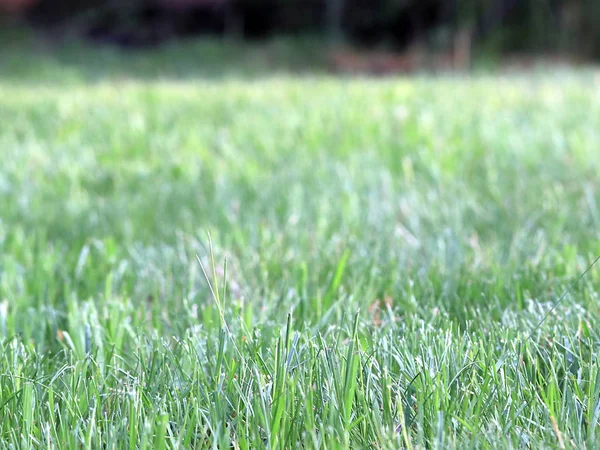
{"type": "Point", "coordinates": [556, 26]}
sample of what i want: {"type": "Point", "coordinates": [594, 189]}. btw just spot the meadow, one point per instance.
{"type": "Point", "coordinates": [200, 250]}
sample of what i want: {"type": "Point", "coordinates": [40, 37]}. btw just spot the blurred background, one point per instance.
{"type": "Point", "coordinates": [398, 35]}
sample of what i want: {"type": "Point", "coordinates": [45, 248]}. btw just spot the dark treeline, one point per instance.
{"type": "Point", "coordinates": [498, 25]}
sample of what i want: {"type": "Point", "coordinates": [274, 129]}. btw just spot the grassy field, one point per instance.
{"type": "Point", "coordinates": [381, 256]}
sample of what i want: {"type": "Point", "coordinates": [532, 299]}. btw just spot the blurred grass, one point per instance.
{"type": "Point", "coordinates": [54, 59]}
{"type": "Point", "coordinates": [449, 211]}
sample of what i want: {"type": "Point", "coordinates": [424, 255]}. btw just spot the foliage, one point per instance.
{"type": "Point", "coordinates": [502, 25]}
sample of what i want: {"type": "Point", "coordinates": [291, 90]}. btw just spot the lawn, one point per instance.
{"type": "Point", "coordinates": [252, 260]}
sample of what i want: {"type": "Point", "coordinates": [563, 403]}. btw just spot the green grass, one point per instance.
{"type": "Point", "coordinates": [379, 252]}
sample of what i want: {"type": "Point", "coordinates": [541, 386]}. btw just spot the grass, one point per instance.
{"type": "Point", "coordinates": [381, 253]}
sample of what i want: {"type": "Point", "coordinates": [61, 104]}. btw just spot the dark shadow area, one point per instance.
{"type": "Point", "coordinates": [549, 26]}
